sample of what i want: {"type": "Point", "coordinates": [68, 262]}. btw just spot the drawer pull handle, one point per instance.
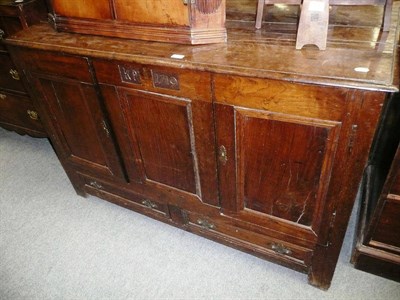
{"type": "Point", "coordinates": [96, 185]}
{"type": "Point", "coordinates": [33, 114]}
{"type": "Point", "coordinates": [205, 224]}
{"type": "Point", "coordinates": [1, 34]}
{"type": "Point", "coordinates": [279, 248]}
{"type": "Point", "coordinates": [149, 204]}
{"type": "Point", "coordinates": [3, 97]}
{"type": "Point", "coordinates": [14, 74]}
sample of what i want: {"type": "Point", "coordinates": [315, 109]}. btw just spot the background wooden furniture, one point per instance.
{"type": "Point", "coordinates": [387, 8]}
{"type": "Point", "coordinates": [377, 245]}
{"type": "Point", "coordinates": [313, 24]}
{"type": "Point", "coordinates": [247, 143]}
{"type": "Point", "coordinates": [178, 21]}
{"type": "Point", "coordinates": [17, 111]}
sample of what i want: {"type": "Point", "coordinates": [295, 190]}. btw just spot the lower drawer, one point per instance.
{"type": "Point", "coordinates": [218, 228]}
{"type": "Point", "coordinates": [123, 197]}
{"type": "Point", "coordinates": [17, 113]}
{"type": "Point", "coordinates": [387, 231]}
{"type": "Point", "coordinates": [282, 252]}
{"type": "Point", "coordinates": [213, 226]}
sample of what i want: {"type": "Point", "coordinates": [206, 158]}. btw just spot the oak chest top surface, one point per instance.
{"type": "Point", "coordinates": [358, 54]}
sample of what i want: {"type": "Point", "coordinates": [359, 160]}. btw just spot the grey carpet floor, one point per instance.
{"type": "Point", "coordinates": [57, 245]}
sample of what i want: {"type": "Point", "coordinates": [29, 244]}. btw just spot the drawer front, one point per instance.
{"type": "Point", "coordinates": [387, 230]}
{"type": "Point", "coordinates": [216, 227]}
{"type": "Point", "coordinates": [9, 10]}
{"type": "Point", "coordinates": [278, 249]}
{"type": "Point", "coordinates": [109, 191]}
{"type": "Point", "coordinates": [18, 111]}
{"type": "Point", "coordinates": [169, 81]}
{"type": "Point", "coordinates": [50, 63]}
{"type": "Point", "coordinates": [10, 25]}
{"type": "Point", "coordinates": [9, 76]}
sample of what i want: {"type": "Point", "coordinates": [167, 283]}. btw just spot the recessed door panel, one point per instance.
{"type": "Point", "coordinates": [282, 166]}
{"type": "Point", "coordinates": [162, 129]}
{"type": "Point", "coordinates": [76, 115]}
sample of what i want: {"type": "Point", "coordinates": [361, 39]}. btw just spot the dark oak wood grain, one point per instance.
{"type": "Point", "coordinates": [250, 143]}
{"type": "Point", "coordinates": [17, 112]}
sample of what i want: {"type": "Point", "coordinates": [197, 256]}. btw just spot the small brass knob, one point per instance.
{"type": "Point", "coordinates": [279, 248]}
{"type": "Point", "coordinates": [32, 114]}
{"type": "Point", "coordinates": [205, 224]}
{"type": "Point", "coordinates": [14, 74]}
{"type": "Point", "coordinates": [3, 97]}
{"type": "Point", "coordinates": [95, 184]}
{"type": "Point", "coordinates": [149, 204]}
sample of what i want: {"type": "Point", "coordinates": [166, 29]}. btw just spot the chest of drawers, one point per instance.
{"type": "Point", "coordinates": [377, 245]}
{"type": "Point", "coordinates": [17, 111]}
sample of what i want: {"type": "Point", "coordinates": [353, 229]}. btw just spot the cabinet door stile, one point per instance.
{"type": "Point", "coordinates": [117, 111]}
{"type": "Point", "coordinates": [204, 138]}
{"type": "Point", "coordinates": [225, 131]}
{"type": "Point", "coordinates": [194, 156]}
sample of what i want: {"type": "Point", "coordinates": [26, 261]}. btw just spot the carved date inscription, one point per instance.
{"type": "Point", "coordinates": [165, 80]}
{"type": "Point", "coordinates": [129, 74]}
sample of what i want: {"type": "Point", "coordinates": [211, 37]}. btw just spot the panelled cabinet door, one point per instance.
{"type": "Point", "coordinates": [76, 117]}
{"type": "Point", "coordinates": [275, 168]}
{"type": "Point", "coordinates": [165, 140]}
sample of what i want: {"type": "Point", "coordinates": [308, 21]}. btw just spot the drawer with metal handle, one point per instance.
{"type": "Point", "coordinates": [17, 112]}
{"type": "Point", "coordinates": [10, 79]}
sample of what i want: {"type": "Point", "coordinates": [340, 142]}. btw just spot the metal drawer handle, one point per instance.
{"type": "Point", "coordinates": [32, 114]}
{"type": "Point", "coordinates": [149, 204]}
{"type": "Point", "coordinates": [279, 248]}
{"type": "Point", "coordinates": [205, 224]}
{"type": "Point", "coordinates": [1, 34]}
{"type": "Point", "coordinates": [3, 97]}
{"type": "Point", "coordinates": [95, 184]}
{"type": "Point", "coordinates": [14, 74]}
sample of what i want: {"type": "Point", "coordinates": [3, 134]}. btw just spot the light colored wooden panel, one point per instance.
{"type": "Point", "coordinates": [171, 12]}
{"type": "Point", "coordinates": [92, 9]}
{"type": "Point", "coordinates": [278, 96]}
